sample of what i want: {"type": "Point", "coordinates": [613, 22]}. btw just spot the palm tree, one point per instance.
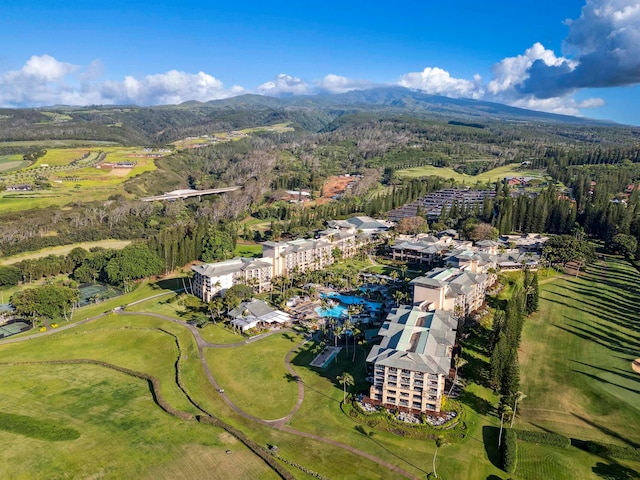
{"type": "Point", "coordinates": [345, 379]}
{"type": "Point", "coordinates": [355, 331]}
{"type": "Point", "coordinates": [519, 397]}
{"type": "Point", "coordinates": [458, 362]}
{"type": "Point", "coordinates": [440, 442]}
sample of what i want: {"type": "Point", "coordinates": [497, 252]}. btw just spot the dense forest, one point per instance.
{"type": "Point", "coordinates": [591, 167]}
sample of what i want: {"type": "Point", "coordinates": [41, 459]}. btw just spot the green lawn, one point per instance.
{"type": "Point", "coordinates": [576, 356]}
{"type": "Point", "coordinates": [489, 176]}
{"type": "Point", "coordinates": [254, 375]}
{"type": "Point", "coordinates": [123, 434]}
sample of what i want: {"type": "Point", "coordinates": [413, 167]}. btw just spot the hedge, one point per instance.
{"type": "Point", "coordinates": [509, 450]}
{"type": "Point", "coordinates": [615, 451]}
{"type": "Point", "coordinates": [544, 438]}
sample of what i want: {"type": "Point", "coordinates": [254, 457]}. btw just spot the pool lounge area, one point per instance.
{"type": "Point", "coordinates": [324, 359]}
{"type": "Point", "coordinates": [340, 308]}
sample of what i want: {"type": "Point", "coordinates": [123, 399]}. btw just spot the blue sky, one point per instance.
{"type": "Point", "coordinates": [576, 57]}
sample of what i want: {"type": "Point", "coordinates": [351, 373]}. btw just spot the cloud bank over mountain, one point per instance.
{"type": "Point", "coordinates": [602, 49]}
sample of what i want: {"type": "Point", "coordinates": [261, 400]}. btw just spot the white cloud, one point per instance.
{"type": "Point", "coordinates": [437, 81]}
{"type": "Point", "coordinates": [512, 71]}
{"type": "Point", "coordinates": [166, 88]}
{"type": "Point", "coordinates": [284, 84]}
{"type": "Point", "coordinates": [46, 68]}
{"type": "Point", "coordinates": [338, 84]}
{"type": "Point", "coordinates": [43, 80]}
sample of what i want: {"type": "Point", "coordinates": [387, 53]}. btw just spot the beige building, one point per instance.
{"type": "Point", "coordinates": [300, 255]}
{"type": "Point", "coordinates": [451, 289]}
{"type": "Point", "coordinates": [214, 278]}
{"type": "Point", "coordinates": [414, 358]}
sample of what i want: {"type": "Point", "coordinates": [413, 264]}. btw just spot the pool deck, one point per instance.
{"type": "Point", "coordinates": [327, 354]}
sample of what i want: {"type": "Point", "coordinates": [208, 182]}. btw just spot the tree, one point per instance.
{"type": "Point", "coordinates": [133, 262]}
{"type": "Point", "coordinates": [519, 397]}
{"type": "Point", "coordinates": [562, 249]}
{"type": "Point", "coordinates": [217, 246]}
{"type": "Point", "coordinates": [624, 245]}
{"type": "Point", "coordinates": [412, 225]}
{"type": "Point", "coordinates": [346, 379]}
{"type": "Point", "coordinates": [484, 231]}
{"type": "Point", "coordinates": [440, 442]}
{"type": "Point", "coordinates": [49, 301]}
{"type": "Point", "coordinates": [533, 295]}
{"type": "Point", "coordinates": [9, 275]}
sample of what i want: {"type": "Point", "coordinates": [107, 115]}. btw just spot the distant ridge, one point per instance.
{"type": "Point", "coordinates": [403, 100]}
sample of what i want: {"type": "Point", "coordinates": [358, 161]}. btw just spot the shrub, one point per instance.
{"type": "Point", "coordinates": [544, 438]}
{"type": "Point", "coordinates": [509, 451]}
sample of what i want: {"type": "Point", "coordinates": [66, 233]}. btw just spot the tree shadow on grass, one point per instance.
{"type": "Point", "coordinates": [617, 371]}
{"type": "Point", "coordinates": [602, 380]}
{"type": "Point", "coordinates": [169, 284]}
{"type": "Point", "coordinates": [490, 440]}
{"type": "Point", "coordinates": [494, 477]}
{"type": "Point", "coordinates": [607, 431]}
{"type": "Point", "coordinates": [478, 404]}
{"type": "Point", "coordinates": [363, 431]}
{"type": "Point", "coordinates": [614, 471]}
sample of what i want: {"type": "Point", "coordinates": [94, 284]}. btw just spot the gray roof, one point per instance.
{"type": "Point", "coordinates": [237, 264]}
{"type": "Point", "coordinates": [416, 340]}
{"type": "Point", "coordinates": [259, 310]}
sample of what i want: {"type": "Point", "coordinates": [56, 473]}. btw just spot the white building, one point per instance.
{"type": "Point", "coordinates": [214, 278]}
{"type": "Point", "coordinates": [300, 255]}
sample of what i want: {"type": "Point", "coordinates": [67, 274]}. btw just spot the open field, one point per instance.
{"type": "Point", "coordinates": [512, 170]}
{"type": "Point", "coordinates": [56, 143]}
{"type": "Point", "coordinates": [12, 162]}
{"type": "Point", "coordinates": [123, 434]}
{"type": "Point", "coordinates": [243, 372]}
{"type": "Point", "coordinates": [74, 177]}
{"type": "Point", "coordinates": [255, 379]}
{"type": "Point", "coordinates": [64, 250]}
{"type": "Point", "coordinates": [221, 137]}
{"type": "Point", "coordinates": [577, 352]}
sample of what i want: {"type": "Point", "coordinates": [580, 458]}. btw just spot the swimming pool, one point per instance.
{"type": "Point", "coordinates": [340, 309]}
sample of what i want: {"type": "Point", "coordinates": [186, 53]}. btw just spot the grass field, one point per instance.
{"type": "Point", "coordinates": [71, 176]}
{"type": "Point", "coordinates": [577, 352]}
{"type": "Point", "coordinates": [12, 162]}
{"type": "Point", "coordinates": [64, 250]}
{"type": "Point", "coordinates": [123, 434]}
{"type": "Point", "coordinates": [244, 371]}
{"type": "Point", "coordinates": [490, 176]}
{"type": "Point", "coordinates": [586, 325]}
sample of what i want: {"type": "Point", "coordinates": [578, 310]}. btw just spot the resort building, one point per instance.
{"type": "Point", "coordinates": [300, 255]}
{"type": "Point", "coordinates": [257, 314]}
{"type": "Point", "coordinates": [345, 241]}
{"type": "Point", "coordinates": [362, 224]}
{"type": "Point", "coordinates": [412, 361]}
{"type": "Point", "coordinates": [214, 278]}
{"type": "Point", "coordinates": [451, 289]}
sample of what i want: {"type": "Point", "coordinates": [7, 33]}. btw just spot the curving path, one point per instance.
{"type": "Point", "coordinates": [279, 423]}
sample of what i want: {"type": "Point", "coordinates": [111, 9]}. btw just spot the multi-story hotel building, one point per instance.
{"type": "Point", "coordinates": [300, 255]}
{"type": "Point", "coordinates": [213, 278]}
{"type": "Point", "coordinates": [450, 289]}
{"type": "Point", "coordinates": [411, 363]}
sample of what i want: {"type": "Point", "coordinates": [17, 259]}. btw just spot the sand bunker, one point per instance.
{"type": "Point", "coordinates": [636, 365]}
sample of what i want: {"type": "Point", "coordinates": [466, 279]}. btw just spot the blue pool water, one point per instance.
{"type": "Point", "coordinates": [340, 310]}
